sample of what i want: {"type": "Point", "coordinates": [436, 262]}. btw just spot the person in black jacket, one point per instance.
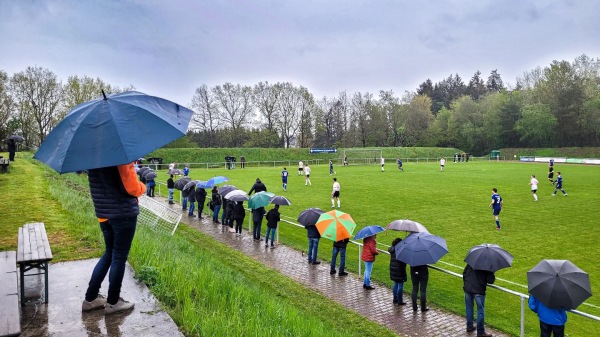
{"type": "Point", "coordinates": [12, 147]}
{"type": "Point", "coordinates": [419, 275]}
{"type": "Point", "coordinates": [229, 217]}
{"type": "Point", "coordinates": [171, 188]}
{"type": "Point", "coordinates": [273, 218]}
{"type": "Point", "coordinates": [339, 247]}
{"type": "Point", "coordinates": [239, 213]}
{"type": "Point", "coordinates": [201, 198]}
{"type": "Point", "coordinates": [258, 187]}
{"type": "Point", "coordinates": [313, 244]}
{"type": "Point", "coordinates": [397, 273]}
{"type": "Point", "coordinates": [184, 199]}
{"type": "Point", "coordinates": [192, 200]}
{"type": "Point", "coordinates": [474, 285]}
{"type": "Point", "coordinates": [257, 218]}
{"type": "Point", "coordinates": [216, 201]}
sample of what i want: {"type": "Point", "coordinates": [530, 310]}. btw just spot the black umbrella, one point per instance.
{"type": "Point", "coordinates": [309, 216]}
{"type": "Point", "coordinates": [280, 200]}
{"type": "Point", "coordinates": [142, 170]}
{"type": "Point", "coordinates": [17, 138]}
{"type": "Point", "coordinates": [488, 257]}
{"type": "Point", "coordinates": [191, 184]}
{"type": "Point", "coordinates": [146, 173]}
{"type": "Point", "coordinates": [559, 284]}
{"type": "Point", "coordinates": [223, 190]}
{"type": "Point", "coordinates": [150, 175]}
{"type": "Point", "coordinates": [180, 184]}
{"type": "Point", "coordinates": [175, 172]}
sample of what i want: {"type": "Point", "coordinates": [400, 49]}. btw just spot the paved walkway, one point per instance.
{"type": "Point", "coordinates": [376, 304]}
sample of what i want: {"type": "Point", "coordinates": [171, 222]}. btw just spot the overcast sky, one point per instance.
{"type": "Point", "coordinates": [169, 48]}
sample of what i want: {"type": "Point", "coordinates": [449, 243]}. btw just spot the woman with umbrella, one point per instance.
{"type": "Point", "coordinates": [238, 214]}
{"type": "Point", "coordinates": [397, 273]}
{"type": "Point", "coordinates": [368, 256]}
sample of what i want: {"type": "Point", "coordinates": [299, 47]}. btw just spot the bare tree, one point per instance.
{"type": "Point", "coordinates": [360, 105]}
{"type": "Point", "coordinates": [290, 106]}
{"type": "Point", "coordinates": [235, 102]}
{"type": "Point", "coordinates": [37, 93]}
{"type": "Point", "coordinates": [266, 97]}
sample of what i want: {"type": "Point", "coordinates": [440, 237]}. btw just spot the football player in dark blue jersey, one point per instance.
{"type": "Point", "coordinates": [284, 177]}
{"type": "Point", "coordinates": [558, 185]}
{"type": "Point", "coordinates": [496, 205]}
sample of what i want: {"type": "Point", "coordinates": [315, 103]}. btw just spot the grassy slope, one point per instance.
{"type": "Point", "coordinates": [209, 289]}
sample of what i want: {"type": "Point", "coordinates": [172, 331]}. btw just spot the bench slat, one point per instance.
{"type": "Point", "coordinates": [10, 324]}
{"type": "Point", "coordinates": [33, 243]}
{"type": "Point", "coordinates": [35, 237]}
{"type": "Point", "coordinates": [45, 243]}
{"type": "Point", "coordinates": [20, 243]}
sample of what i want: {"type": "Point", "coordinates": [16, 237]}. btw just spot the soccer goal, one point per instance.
{"type": "Point", "coordinates": [157, 216]}
{"type": "Point", "coordinates": [361, 156]}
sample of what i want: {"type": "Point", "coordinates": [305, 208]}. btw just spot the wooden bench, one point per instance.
{"type": "Point", "coordinates": [10, 324]}
{"type": "Point", "coordinates": [33, 251]}
{"type": "Point", "coordinates": [4, 163]}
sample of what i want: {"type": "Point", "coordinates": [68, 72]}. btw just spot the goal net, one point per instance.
{"type": "Point", "coordinates": [157, 216]}
{"type": "Point", "coordinates": [361, 156]}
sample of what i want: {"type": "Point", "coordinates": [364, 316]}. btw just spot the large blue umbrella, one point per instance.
{"type": "Point", "coordinates": [113, 130]}
{"type": "Point", "coordinates": [217, 180]}
{"type": "Point", "coordinates": [421, 248]}
{"type": "Point", "coordinates": [368, 231]}
{"type": "Point", "coordinates": [204, 184]}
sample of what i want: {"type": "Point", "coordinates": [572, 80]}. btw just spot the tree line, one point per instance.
{"type": "Point", "coordinates": [554, 106]}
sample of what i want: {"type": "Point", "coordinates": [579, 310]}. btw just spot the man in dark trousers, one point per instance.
{"type": "Point", "coordinates": [475, 283]}
{"type": "Point", "coordinates": [339, 247]}
{"type": "Point", "coordinates": [171, 189]}
{"type": "Point", "coordinates": [258, 187]}
{"type": "Point", "coordinates": [201, 198]}
{"type": "Point", "coordinates": [419, 276]}
{"type": "Point", "coordinates": [12, 147]}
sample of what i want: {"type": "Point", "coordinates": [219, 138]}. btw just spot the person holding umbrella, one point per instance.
{"type": "Point", "coordinates": [12, 147]}
{"type": "Point", "coordinates": [239, 213]}
{"type": "Point", "coordinates": [339, 247]}
{"type": "Point", "coordinates": [216, 201]}
{"type": "Point", "coordinates": [474, 286]}
{"type": "Point", "coordinates": [273, 217]}
{"type": "Point", "coordinates": [368, 256]}
{"type": "Point", "coordinates": [257, 218]}
{"type": "Point", "coordinates": [552, 320]}
{"type": "Point", "coordinates": [192, 199]}
{"type": "Point", "coordinates": [171, 189]}
{"type": "Point", "coordinates": [419, 276]}
{"type": "Point", "coordinates": [397, 273]}
{"type": "Point", "coordinates": [201, 197]}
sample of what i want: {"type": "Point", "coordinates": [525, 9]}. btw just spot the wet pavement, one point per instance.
{"type": "Point", "coordinates": [375, 305]}
{"type": "Point", "coordinates": [62, 315]}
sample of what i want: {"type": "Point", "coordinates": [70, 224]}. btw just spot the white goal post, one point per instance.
{"type": "Point", "coordinates": [362, 156]}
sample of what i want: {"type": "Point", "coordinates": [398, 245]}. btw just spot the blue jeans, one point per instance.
{"type": "Point", "coordinates": [184, 202]}
{"type": "Point", "coordinates": [334, 255]}
{"type": "Point", "coordinates": [216, 213]}
{"type": "Point", "coordinates": [480, 301]}
{"type": "Point", "coordinates": [256, 229]}
{"type": "Point", "coordinates": [313, 247]}
{"type": "Point", "coordinates": [272, 232]}
{"type": "Point", "coordinates": [368, 270]}
{"type": "Point", "coordinates": [118, 235]}
{"type": "Point", "coordinates": [171, 192]}
{"type": "Point", "coordinates": [397, 291]}
{"type": "Point", "coordinates": [192, 207]}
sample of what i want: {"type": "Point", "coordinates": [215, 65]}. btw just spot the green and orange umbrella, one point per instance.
{"type": "Point", "coordinates": [335, 225]}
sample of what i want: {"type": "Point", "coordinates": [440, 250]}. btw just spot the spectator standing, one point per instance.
{"type": "Point", "coordinates": [171, 189]}
{"type": "Point", "coordinates": [474, 286]}
{"type": "Point", "coordinates": [496, 205]}
{"type": "Point", "coordinates": [192, 200]}
{"type": "Point", "coordinates": [12, 148]}
{"type": "Point", "coordinates": [558, 185]}
{"type": "Point", "coordinates": [184, 199]}
{"type": "Point", "coordinates": [307, 177]}
{"type": "Point", "coordinates": [397, 273]}
{"type": "Point", "coordinates": [284, 178]}
{"type": "Point", "coordinates": [258, 187]}
{"type": "Point", "coordinates": [150, 184]}
{"type": "Point", "coordinates": [216, 201]}
{"type": "Point", "coordinates": [534, 186]}
{"type": "Point", "coordinates": [229, 206]}
{"type": "Point", "coordinates": [419, 276]}
{"type": "Point", "coordinates": [368, 256]}
{"type": "Point", "coordinates": [552, 321]}
{"type": "Point", "coordinates": [257, 217]}
{"type": "Point", "coordinates": [335, 193]}
{"type": "Point", "coordinates": [239, 213]}
{"type": "Point", "coordinates": [313, 244]}
{"type": "Point", "coordinates": [339, 247]}
{"type": "Point", "coordinates": [114, 191]}
{"type": "Point", "coordinates": [201, 198]}
{"type": "Point", "coordinates": [273, 218]}
{"type": "Point", "coordinates": [186, 171]}
{"type": "Point", "coordinates": [243, 161]}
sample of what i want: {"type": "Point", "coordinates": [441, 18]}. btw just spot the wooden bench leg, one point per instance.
{"type": "Point", "coordinates": [22, 277]}
{"type": "Point", "coordinates": [46, 282]}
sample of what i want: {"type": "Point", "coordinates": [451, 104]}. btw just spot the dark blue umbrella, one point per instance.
{"type": "Point", "coordinates": [368, 231]}
{"type": "Point", "coordinates": [113, 130]}
{"type": "Point", "coordinates": [421, 248]}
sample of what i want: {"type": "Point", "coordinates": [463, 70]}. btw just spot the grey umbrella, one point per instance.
{"type": "Point", "coordinates": [142, 170]}
{"type": "Point", "coordinates": [407, 226]}
{"type": "Point", "coordinates": [559, 284]}
{"type": "Point", "coordinates": [489, 257]}
{"type": "Point", "coordinates": [175, 172]}
{"type": "Point", "coordinates": [309, 216]}
{"type": "Point", "coordinates": [17, 138]}
{"type": "Point", "coordinates": [223, 190]}
{"type": "Point", "coordinates": [190, 184]}
{"type": "Point", "coordinates": [280, 200]}
{"type": "Point", "coordinates": [150, 175]}
{"type": "Point", "coordinates": [180, 184]}
{"type": "Point", "coordinates": [421, 248]}
{"type": "Point", "coordinates": [146, 173]}
{"type": "Point", "coordinates": [237, 195]}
